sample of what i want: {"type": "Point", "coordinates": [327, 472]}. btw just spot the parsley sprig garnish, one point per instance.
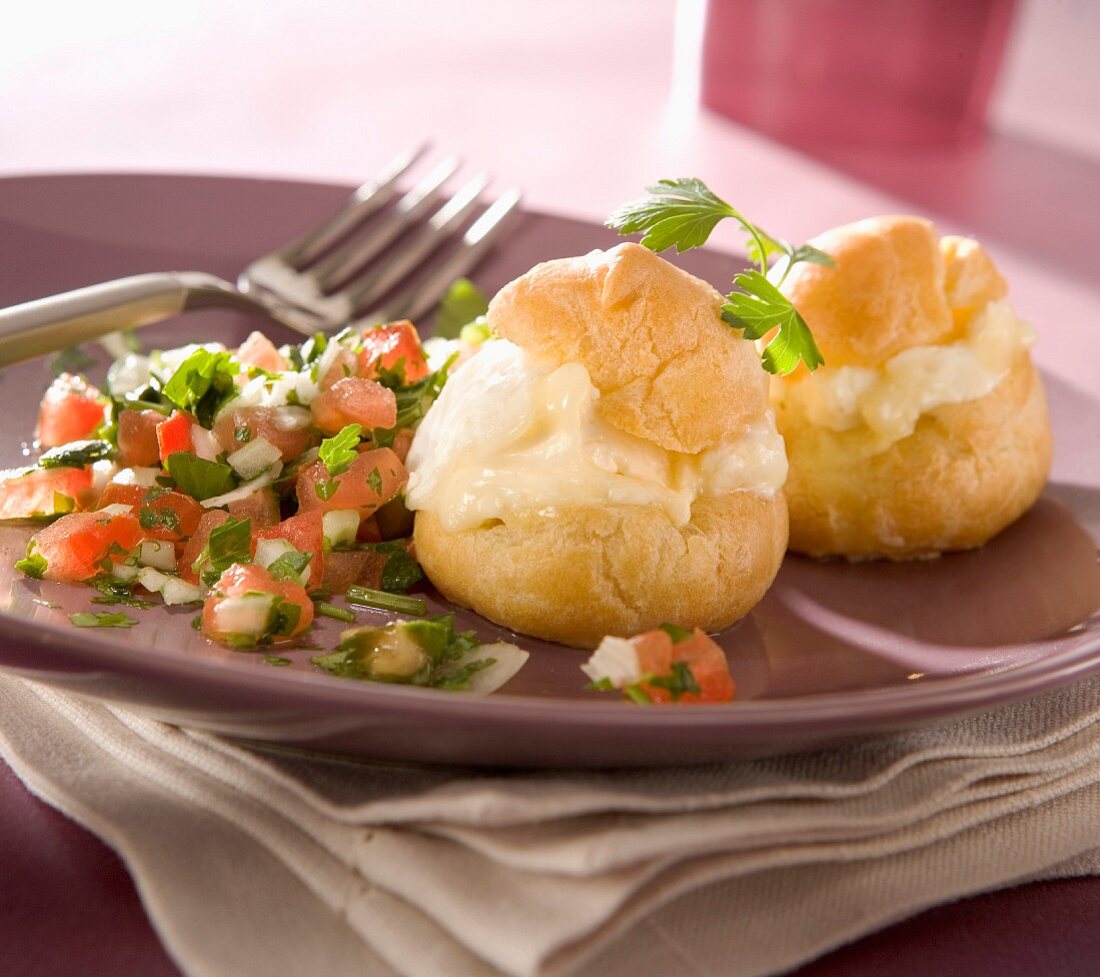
{"type": "Point", "coordinates": [682, 214]}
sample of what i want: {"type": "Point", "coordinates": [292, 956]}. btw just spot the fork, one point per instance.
{"type": "Point", "coordinates": [326, 278]}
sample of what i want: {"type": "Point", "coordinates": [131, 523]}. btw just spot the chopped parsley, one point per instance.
{"type": "Point", "coordinates": [76, 454]}
{"type": "Point", "coordinates": [338, 452]}
{"type": "Point", "coordinates": [677, 633]}
{"type": "Point", "coordinates": [229, 543]}
{"type": "Point", "coordinates": [70, 360]}
{"type": "Point", "coordinates": [112, 590]}
{"type": "Point", "coordinates": [160, 519]}
{"type": "Point", "coordinates": [102, 619]}
{"type": "Point", "coordinates": [400, 571]}
{"type": "Point", "coordinates": [199, 478]}
{"type": "Point", "coordinates": [679, 682]}
{"type": "Point", "coordinates": [290, 565]}
{"type": "Point", "coordinates": [34, 564]}
{"type": "Point", "coordinates": [374, 480]}
{"type": "Point", "coordinates": [203, 384]}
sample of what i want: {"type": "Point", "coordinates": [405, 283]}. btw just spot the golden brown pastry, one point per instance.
{"type": "Point", "coordinates": [609, 464]}
{"type": "Point", "coordinates": [927, 429]}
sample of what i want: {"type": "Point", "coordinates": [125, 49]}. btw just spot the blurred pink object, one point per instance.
{"type": "Point", "coordinates": [870, 71]}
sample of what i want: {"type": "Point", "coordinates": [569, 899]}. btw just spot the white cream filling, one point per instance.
{"type": "Point", "coordinates": [889, 401]}
{"type": "Point", "coordinates": [510, 432]}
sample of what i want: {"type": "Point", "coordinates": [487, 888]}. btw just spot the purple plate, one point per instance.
{"type": "Point", "coordinates": [833, 652]}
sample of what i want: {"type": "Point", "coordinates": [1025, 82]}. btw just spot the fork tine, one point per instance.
{"type": "Point", "coordinates": [367, 199]}
{"type": "Point", "coordinates": [421, 297]}
{"type": "Point", "coordinates": [428, 238]}
{"type": "Point", "coordinates": [345, 261]}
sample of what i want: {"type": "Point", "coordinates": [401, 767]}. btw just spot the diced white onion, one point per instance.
{"type": "Point", "coordinates": [152, 579]}
{"type": "Point", "coordinates": [117, 509]}
{"type": "Point", "coordinates": [247, 614]}
{"type": "Point", "coordinates": [176, 591]}
{"type": "Point", "coordinates": [340, 526]}
{"type": "Point", "coordinates": [205, 445]}
{"type": "Point", "coordinates": [128, 374]}
{"type": "Point", "coordinates": [102, 472]}
{"type": "Point", "coordinates": [616, 659]}
{"type": "Point", "coordinates": [509, 660]}
{"type": "Point", "coordinates": [269, 550]}
{"type": "Point", "coordinates": [252, 458]}
{"type": "Point", "coordinates": [142, 477]}
{"type": "Point", "coordinates": [157, 554]}
{"type": "Point", "coordinates": [242, 492]}
{"type": "Point", "coordinates": [123, 571]}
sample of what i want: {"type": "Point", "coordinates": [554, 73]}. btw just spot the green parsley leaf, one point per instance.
{"type": "Point", "coordinates": [374, 480]}
{"type": "Point", "coordinates": [327, 489]}
{"type": "Point", "coordinates": [679, 682]}
{"type": "Point", "coordinates": [102, 619]}
{"type": "Point", "coordinates": [112, 590]}
{"type": "Point", "coordinates": [34, 563]}
{"type": "Point", "coordinates": [203, 384]}
{"type": "Point", "coordinates": [229, 543]}
{"type": "Point", "coordinates": [76, 454]}
{"type": "Point", "coordinates": [199, 478]}
{"type": "Point", "coordinates": [760, 307]}
{"type": "Point", "coordinates": [159, 519]}
{"type": "Point", "coordinates": [71, 360]}
{"type": "Point", "coordinates": [338, 452]}
{"type": "Point", "coordinates": [285, 615]}
{"type": "Point", "coordinates": [290, 565]}
{"type": "Point", "coordinates": [678, 213]}
{"type": "Point", "coordinates": [462, 304]}
{"type": "Point", "coordinates": [242, 434]}
{"type": "Point", "coordinates": [682, 214]}
{"type": "Point", "coordinates": [400, 571]}
{"type": "Point", "coordinates": [676, 633]}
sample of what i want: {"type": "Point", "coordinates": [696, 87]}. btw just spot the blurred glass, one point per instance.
{"type": "Point", "coordinates": [866, 71]}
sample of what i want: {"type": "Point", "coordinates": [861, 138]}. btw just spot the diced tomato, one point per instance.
{"type": "Point", "coordinates": [244, 579]}
{"type": "Point", "coordinates": [305, 532]}
{"type": "Point", "coordinates": [174, 434]}
{"type": "Point", "coordinates": [261, 507]}
{"type": "Point", "coordinates": [374, 478]}
{"type": "Point", "coordinates": [386, 346]}
{"type": "Point", "coordinates": [258, 350]}
{"type": "Point", "coordinates": [354, 400]}
{"type": "Point", "coordinates": [211, 519]}
{"type": "Point", "coordinates": [344, 364]}
{"type": "Point", "coordinates": [402, 441]}
{"type": "Point", "coordinates": [345, 567]}
{"type": "Point", "coordinates": [657, 653]}
{"type": "Point", "coordinates": [38, 493]}
{"type": "Point", "coordinates": [137, 437]}
{"type": "Point", "coordinates": [368, 530]}
{"type": "Point", "coordinates": [76, 546]}
{"type": "Point", "coordinates": [288, 428]}
{"type": "Point", "coordinates": [71, 410]}
{"type": "Point", "coordinates": [119, 493]}
{"type": "Point", "coordinates": [168, 514]}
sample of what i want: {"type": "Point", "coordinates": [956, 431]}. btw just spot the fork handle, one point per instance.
{"type": "Point", "coordinates": [48, 324]}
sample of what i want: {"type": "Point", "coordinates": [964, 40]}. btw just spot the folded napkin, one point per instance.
{"type": "Point", "coordinates": [253, 862]}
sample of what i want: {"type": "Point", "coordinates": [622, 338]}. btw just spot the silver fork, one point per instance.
{"type": "Point", "coordinates": [326, 278]}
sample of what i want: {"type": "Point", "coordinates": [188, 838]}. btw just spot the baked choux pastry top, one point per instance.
{"type": "Point", "coordinates": [926, 430]}
{"type": "Point", "coordinates": [608, 464]}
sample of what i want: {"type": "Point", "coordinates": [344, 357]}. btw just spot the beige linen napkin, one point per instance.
{"type": "Point", "coordinates": [253, 862]}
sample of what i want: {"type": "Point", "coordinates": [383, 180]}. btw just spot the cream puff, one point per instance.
{"type": "Point", "coordinates": [608, 464]}
{"type": "Point", "coordinates": [927, 429]}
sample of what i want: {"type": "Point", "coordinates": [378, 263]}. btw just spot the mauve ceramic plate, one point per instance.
{"type": "Point", "coordinates": [833, 652]}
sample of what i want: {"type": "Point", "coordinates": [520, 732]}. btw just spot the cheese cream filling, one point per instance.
{"type": "Point", "coordinates": [890, 400]}
{"type": "Point", "coordinates": [511, 432]}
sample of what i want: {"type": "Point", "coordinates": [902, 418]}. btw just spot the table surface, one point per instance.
{"type": "Point", "coordinates": [580, 104]}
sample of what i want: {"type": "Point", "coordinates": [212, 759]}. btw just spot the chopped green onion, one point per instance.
{"type": "Point", "coordinates": [325, 609]}
{"type": "Point", "coordinates": [400, 603]}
